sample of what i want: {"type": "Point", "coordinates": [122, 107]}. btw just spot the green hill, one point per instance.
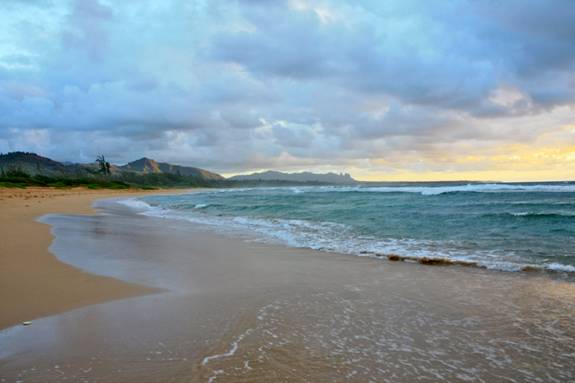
{"type": "Point", "coordinates": [20, 169]}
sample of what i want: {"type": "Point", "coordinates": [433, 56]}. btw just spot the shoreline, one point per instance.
{"type": "Point", "coordinates": [33, 282]}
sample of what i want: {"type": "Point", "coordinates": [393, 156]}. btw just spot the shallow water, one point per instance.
{"type": "Point", "coordinates": [498, 226]}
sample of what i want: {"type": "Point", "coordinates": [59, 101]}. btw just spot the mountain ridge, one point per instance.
{"type": "Point", "coordinates": [149, 171]}
{"type": "Point", "coordinates": [147, 165]}
{"type": "Point", "coordinates": [34, 164]}
{"type": "Point", "coordinates": [273, 175]}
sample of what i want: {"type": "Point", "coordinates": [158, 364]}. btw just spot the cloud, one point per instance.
{"type": "Point", "coordinates": [290, 84]}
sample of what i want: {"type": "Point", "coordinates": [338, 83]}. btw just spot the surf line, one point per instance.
{"type": "Point", "coordinates": [230, 352]}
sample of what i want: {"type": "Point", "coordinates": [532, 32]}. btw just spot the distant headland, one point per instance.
{"type": "Point", "coordinates": [270, 175]}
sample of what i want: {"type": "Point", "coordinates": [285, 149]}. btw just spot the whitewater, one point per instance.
{"type": "Point", "coordinates": [499, 226]}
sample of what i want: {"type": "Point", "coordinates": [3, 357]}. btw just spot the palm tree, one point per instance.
{"type": "Point", "coordinates": [104, 165]}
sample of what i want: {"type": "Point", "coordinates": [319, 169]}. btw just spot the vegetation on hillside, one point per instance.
{"type": "Point", "coordinates": [21, 169]}
{"type": "Point", "coordinates": [20, 179]}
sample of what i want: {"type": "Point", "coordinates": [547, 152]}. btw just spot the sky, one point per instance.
{"type": "Point", "coordinates": [384, 90]}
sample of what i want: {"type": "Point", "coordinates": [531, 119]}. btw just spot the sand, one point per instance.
{"type": "Point", "coordinates": [34, 283]}
{"type": "Point", "coordinates": [229, 309]}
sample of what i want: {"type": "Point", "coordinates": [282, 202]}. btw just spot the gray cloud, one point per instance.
{"type": "Point", "coordinates": [251, 84]}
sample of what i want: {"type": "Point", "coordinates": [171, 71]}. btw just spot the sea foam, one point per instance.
{"type": "Point", "coordinates": [350, 223]}
{"type": "Point", "coordinates": [436, 190]}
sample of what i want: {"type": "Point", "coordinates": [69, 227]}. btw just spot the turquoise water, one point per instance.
{"type": "Point", "coordinates": [499, 226]}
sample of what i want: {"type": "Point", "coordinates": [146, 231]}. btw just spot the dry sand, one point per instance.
{"type": "Point", "coordinates": [33, 282]}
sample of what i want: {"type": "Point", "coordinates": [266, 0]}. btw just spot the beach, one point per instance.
{"type": "Point", "coordinates": [134, 298]}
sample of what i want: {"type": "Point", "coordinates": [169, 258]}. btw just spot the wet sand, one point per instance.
{"type": "Point", "coordinates": [234, 310]}
{"type": "Point", "coordinates": [34, 283]}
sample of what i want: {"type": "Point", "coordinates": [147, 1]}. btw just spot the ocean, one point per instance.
{"type": "Point", "coordinates": [501, 226]}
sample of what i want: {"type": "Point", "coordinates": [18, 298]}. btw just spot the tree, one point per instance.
{"type": "Point", "coordinates": [104, 165]}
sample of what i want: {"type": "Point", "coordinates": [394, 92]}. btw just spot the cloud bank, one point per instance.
{"type": "Point", "coordinates": [382, 89]}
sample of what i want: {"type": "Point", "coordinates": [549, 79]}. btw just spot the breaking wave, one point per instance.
{"type": "Point", "coordinates": [340, 237]}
